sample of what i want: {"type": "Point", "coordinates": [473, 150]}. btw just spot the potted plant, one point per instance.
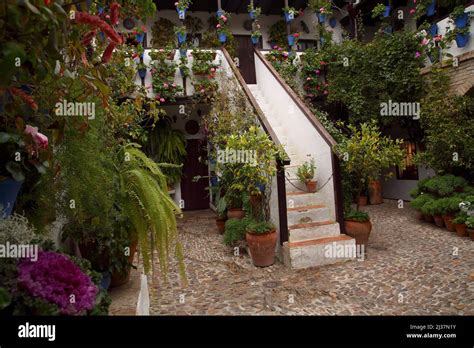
{"type": "Point", "coordinates": [459, 17]}
{"type": "Point", "coordinates": [322, 9]}
{"type": "Point", "coordinates": [256, 35]}
{"type": "Point", "coordinates": [181, 7]}
{"type": "Point", "coordinates": [181, 34]}
{"type": "Point", "coordinates": [254, 12]}
{"type": "Point", "coordinates": [459, 223]}
{"type": "Point", "coordinates": [261, 238]}
{"type": "Point", "coordinates": [141, 68]}
{"type": "Point", "coordinates": [470, 226]}
{"type": "Point", "coordinates": [139, 33]}
{"type": "Point", "coordinates": [290, 13]}
{"type": "Point", "coordinates": [306, 173]}
{"type": "Point", "coordinates": [449, 206]}
{"type": "Point", "coordinates": [235, 230]}
{"type": "Point", "coordinates": [21, 155]}
{"type": "Point", "coordinates": [222, 28]}
{"type": "Point", "coordinates": [358, 226]}
{"type": "Point", "coordinates": [293, 39]}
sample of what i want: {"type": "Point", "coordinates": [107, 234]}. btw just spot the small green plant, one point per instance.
{"type": "Point", "coordinates": [420, 201]}
{"type": "Point", "coordinates": [460, 218]}
{"type": "Point", "coordinates": [180, 30]}
{"type": "Point", "coordinates": [183, 4]}
{"type": "Point", "coordinates": [359, 216]}
{"type": "Point", "coordinates": [470, 222]}
{"type": "Point", "coordinates": [256, 10]}
{"type": "Point", "coordinates": [378, 11]}
{"type": "Point", "coordinates": [235, 230]}
{"type": "Point", "coordinates": [260, 227]}
{"type": "Point", "coordinates": [321, 6]}
{"type": "Point", "coordinates": [306, 171]}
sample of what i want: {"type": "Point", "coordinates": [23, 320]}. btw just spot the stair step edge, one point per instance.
{"type": "Point", "coordinates": [317, 241]}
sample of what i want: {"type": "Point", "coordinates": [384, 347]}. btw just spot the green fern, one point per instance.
{"type": "Point", "coordinates": [150, 208]}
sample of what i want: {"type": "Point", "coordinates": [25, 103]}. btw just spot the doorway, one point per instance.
{"type": "Point", "coordinates": [246, 57]}
{"type": "Point", "coordinates": [194, 192]}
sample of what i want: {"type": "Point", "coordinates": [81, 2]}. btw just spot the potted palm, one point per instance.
{"type": "Point", "coordinates": [261, 238]}
{"type": "Point", "coordinates": [306, 173]}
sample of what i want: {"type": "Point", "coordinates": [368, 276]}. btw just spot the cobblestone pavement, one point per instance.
{"type": "Point", "coordinates": [410, 268]}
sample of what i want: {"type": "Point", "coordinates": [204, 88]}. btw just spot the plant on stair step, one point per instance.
{"type": "Point", "coordinates": [261, 238]}
{"type": "Point", "coordinates": [306, 173]}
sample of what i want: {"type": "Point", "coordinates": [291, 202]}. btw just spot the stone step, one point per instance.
{"type": "Point", "coordinates": [298, 198]}
{"type": "Point", "coordinates": [307, 214]}
{"type": "Point", "coordinates": [313, 230]}
{"type": "Point", "coordinates": [318, 252]}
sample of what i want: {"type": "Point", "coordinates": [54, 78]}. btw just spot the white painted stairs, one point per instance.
{"type": "Point", "coordinates": [311, 229]}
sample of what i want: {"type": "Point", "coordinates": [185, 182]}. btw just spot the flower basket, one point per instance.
{"type": "Point", "coordinates": [462, 39]}
{"type": "Point", "coordinates": [222, 38]}
{"type": "Point", "coordinates": [182, 38]}
{"type": "Point", "coordinates": [431, 9]}
{"type": "Point", "coordinates": [289, 16]}
{"type": "Point", "coordinates": [461, 21]}
{"type": "Point", "coordinates": [9, 190]}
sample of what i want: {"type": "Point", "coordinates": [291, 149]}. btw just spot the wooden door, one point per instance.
{"type": "Point", "coordinates": [246, 57]}
{"type": "Point", "coordinates": [195, 193]}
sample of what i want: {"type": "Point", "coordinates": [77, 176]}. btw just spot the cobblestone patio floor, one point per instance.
{"type": "Point", "coordinates": [410, 268]}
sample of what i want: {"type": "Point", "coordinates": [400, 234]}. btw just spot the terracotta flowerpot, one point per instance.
{"type": "Point", "coordinates": [438, 219]}
{"type": "Point", "coordinates": [311, 185]}
{"type": "Point", "coordinates": [235, 213]}
{"type": "Point", "coordinates": [419, 216]}
{"type": "Point", "coordinates": [375, 192]}
{"type": "Point", "coordinates": [428, 218]}
{"type": "Point", "coordinates": [220, 225]}
{"type": "Point", "coordinates": [262, 248]}
{"type": "Point", "coordinates": [461, 230]}
{"type": "Point", "coordinates": [362, 201]}
{"type": "Point", "coordinates": [358, 230]}
{"type": "Point", "coordinates": [471, 233]}
{"type": "Point", "coordinates": [448, 221]}
{"type": "Point", "coordinates": [119, 279]}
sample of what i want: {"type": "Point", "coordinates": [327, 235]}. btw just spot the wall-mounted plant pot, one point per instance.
{"type": "Point", "coordinates": [220, 13]}
{"type": "Point", "coordinates": [9, 190]}
{"type": "Point", "coordinates": [183, 75]}
{"type": "Point", "coordinates": [431, 9]}
{"type": "Point", "coordinates": [291, 40]}
{"type": "Point", "coordinates": [183, 52]}
{"type": "Point", "coordinates": [321, 17]}
{"type": "Point", "coordinates": [253, 15]}
{"type": "Point", "coordinates": [222, 38]}
{"type": "Point", "coordinates": [182, 38]}
{"type": "Point", "coordinates": [289, 16]}
{"type": "Point", "coordinates": [255, 39]}
{"type": "Point", "coordinates": [333, 22]}
{"type": "Point", "coordinates": [181, 14]}
{"type": "Point", "coordinates": [461, 21]}
{"type": "Point", "coordinates": [142, 73]}
{"type": "Point", "coordinates": [462, 39]}
{"type": "Point", "coordinates": [433, 29]}
{"type": "Point", "coordinates": [386, 12]}
{"type": "Point", "coordinates": [140, 37]}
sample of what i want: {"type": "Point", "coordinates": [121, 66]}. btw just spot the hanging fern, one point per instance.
{"type": "Point", "coordinates": [150, 208]}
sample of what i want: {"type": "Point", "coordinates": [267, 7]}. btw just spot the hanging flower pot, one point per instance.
{"type": "Point", "coordinates": [386, 13]}
{"type": "Point", "coordinates": [289, 16]}
{"type": "Point", "coordinates": [462, 39]}
{"type": "Point", "coordinates": [431, 9]}
{"type": "Point", "coordinates": [140, 37]}
{"type": "Point", "coordinates": [220, 13]}
{"type": "Point", "coordinates": [183, 52]}
{"type": "Point", "coordinates": [333, 22]}
{"type": "Point", "coordinates": [291, 40]}
{"type": "Point", "coordinates": [222, 38]}
{"type": "Point", "coordinates": [181, 13]}
{"type": "Point", "coordinates": [433, 30]}
{"type": "Point", "coordinates": [253, 15]}
{"type": "Point", "coordinates": [255, 39]}
{"type": "Point", "coordinates": [461, 21]}
{"type": "Point", "coordinates": [142, 73]}
{"type": "Point", "coordinates": [9, 189]}
{"type": "Point", "coordinates": [321, 17]}
{"type": "Point", "coordinates": [182, 38]}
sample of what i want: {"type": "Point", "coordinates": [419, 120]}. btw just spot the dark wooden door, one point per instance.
{"type": "Point", "coordinates": [246, 57]}
{"type": "Point", "coordinates": [194, 193]}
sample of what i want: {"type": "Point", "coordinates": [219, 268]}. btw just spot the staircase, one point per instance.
{"type": "Point", "coordinates": [311, 216]}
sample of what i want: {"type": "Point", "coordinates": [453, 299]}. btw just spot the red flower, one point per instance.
{"type": "Point", "coordinates": [296, 35]}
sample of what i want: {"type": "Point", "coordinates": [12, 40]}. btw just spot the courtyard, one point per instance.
{"type": "Point", "coordinates": [410, 268]}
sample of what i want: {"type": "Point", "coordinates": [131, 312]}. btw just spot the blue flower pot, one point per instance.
{"type": "Point", "coordinates": [321, 17]}
{"type": "Point", "coordinates": [183, 52]}
{"type": "Point", "coordinates": [106, 280]}
{"type": "Point", "coordinates": [181, 13]}
{"type": "Point", "coordinates": [289, 16]}
{"type": "Point", "coordinates": [214, 181]}
{"type": "Point", "coordinates": [386, 13]}
{"type": "Point", "coordinates": [100, 10]}
{"type": "Point", "coordinates": [461, 21]}
{"type": "Point", "coordinates": [222, 38]}
{"type": "Point", "coordinates": [142, 73]}
{"type": "Point", "coordinates": [333, 22]}
{"type": "Point", "coordinates": [291, 40]}
{"type": "Point", "coordinates": [182, 38]}
{"type": "Point", "coordinates": [181, 72]}
{"type": "Point", "coordinates": [255, 39]}
{"type": "Point", "coordinates": [261, 187]}
{"type": "Point", "coordinates": [433, 30]}
{"type": "Point", "coordinates": [431, 9]}
{"type": "Point", "coordinates": [253, 15]}
{"type": "Point", "coordinates": [220, 13]}
{"type": "Point", "coordinates": [8, 193]}
{"type": "Point", "coordinates": [140, 37]}
{"type": "Point", "coordinates": [462, 39]}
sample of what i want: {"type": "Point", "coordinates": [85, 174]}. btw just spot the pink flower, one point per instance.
{"type": "Point", "coordinates": [213, 69]}
{"type": "Point", "coordinates": [425, 42]}
{"type": "Point", "coordinates": [218, 26]}
{"type": "Point", "coordinates": [165, 85]}
{"type": "Point", "coordinates": [325, 92]}
{"type": "Point", "coordinates": [162, 100]}
{"type": "Point", "coordinates": [224, 18]}
{"type": "Point", "coordinates": [417, 54]}
{"type": "Point", "coordinates": [322, 10]}
{"type": "Point", "coordinates": [317, 72]}
{"type": "Point", "coordinates": [40, 139]}
{"type": "Point", "coordinates": [438, 38]}
{"type": "Point", "coordinates": [412, 11]}
{"type": "Point", "coordinates": [308, 79]}
{"type": "Point", "coordinates": [174, 85]}
{"type": "Point", "coordinates": [176, 4]}
{"type": "Point", "coordinates": [202, 90]}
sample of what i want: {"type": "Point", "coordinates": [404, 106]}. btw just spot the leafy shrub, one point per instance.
{"type": "Point", "coordinates": [420, 201]}
{"type": "Point", "coordinates": [235, 230]}
{"type": "Point", "coordinates": [460, 218]}
{"type": "Point", "coordinates": [470, 222]}
{"type": "Point", "coordinates": [445, 185]}
{"type": "Point", "coordinates": [260, 227]}
{"type": "Point", "coordinates": [353, 215]}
